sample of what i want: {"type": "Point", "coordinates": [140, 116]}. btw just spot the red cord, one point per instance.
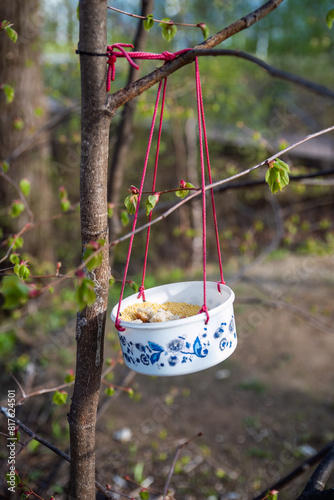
{"type": "Point", "coordinates": [211, 190]}
{"type": "Point", "coordinates": [199, 116]}
{"type": "Point", "coordinates": [112, 57]}
{"type": "Point", "coordinates": [117, 322]}
{"type": "Point", "coordinates": [202, 132]}
{"type": "Point", "coordinates": [142, 287]}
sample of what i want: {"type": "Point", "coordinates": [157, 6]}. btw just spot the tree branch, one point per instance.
{"type": "Point", "coordinates": [124, 95]}
{"type": "Point", "coordinates": [304, 466]}
{"type": "Point", "coordinates": [274, 72]}
{"type": "Point", "coordinates": [220, 183]}
{"type": "Point", "coordinates": [51, 447]}
{"type": "Point", "coordinates": [319, 478]}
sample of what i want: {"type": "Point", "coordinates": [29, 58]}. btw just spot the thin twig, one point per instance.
{"type": "Point", "coordinates": [20, 193]}
{"type": "Point", "coordinates": [274, 72]}
{"type": "Point", "coordinates": [23, 230]}
{"type": "Point", "coordinates": [182, 202]}
{"type": "Point", "coordinates": [51, 447]}
{"type": "Point", "coordinates": [220, 183]}
{"type": "Point", "coordinates": [320, 476]}
{"type": "Point", "coordinates": [124, 95]}
{"type": "Point", "coordinates": [29, 141]}
{"type": "Point", "coordinates": [317, 323]}
{"type": "Point", "coordinates": [155, 20]}
{"type": "Point", "coordinates": [178, 451]}
{"type": "Point", "coordinates": [304, 466]}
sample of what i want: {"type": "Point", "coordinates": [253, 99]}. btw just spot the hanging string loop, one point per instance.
{"type": "Point", "coordinates": [202, 137]}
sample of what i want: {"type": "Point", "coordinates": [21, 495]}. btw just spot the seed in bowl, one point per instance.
{"type": "Point", "coordinates": [150, 312]}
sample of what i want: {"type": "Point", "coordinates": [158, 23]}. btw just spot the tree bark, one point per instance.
{"type": "Point", "coordinates": [20, 67]}
{"type": "Point", "coordinates": [94, 226]}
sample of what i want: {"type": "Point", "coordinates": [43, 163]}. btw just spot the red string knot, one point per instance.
{"type": "Point", "coordinates": [141, 293]}
{"type": "Point", "coordinates": [112, 58]}
{"type": "Point", "coordinates": [118, 325]}
{"type": "Point", "coordinates": [168, 56]}
{"type": "Point", "coordinates": [205, 310]}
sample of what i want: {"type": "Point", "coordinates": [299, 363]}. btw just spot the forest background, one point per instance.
{"type": "Point", "coordinates": [249, 117]}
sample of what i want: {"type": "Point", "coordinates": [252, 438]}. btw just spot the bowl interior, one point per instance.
{"type": "Point", "coordinates": [190, 292]}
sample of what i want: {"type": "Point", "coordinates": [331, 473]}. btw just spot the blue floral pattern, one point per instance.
{"type": "Point", "coordinates": [178, 350]}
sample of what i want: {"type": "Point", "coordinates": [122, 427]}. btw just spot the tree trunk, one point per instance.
{"type": "Point", "coordinates": [20, 67]}
{"type": "Point", "coordinates": [94, 226]}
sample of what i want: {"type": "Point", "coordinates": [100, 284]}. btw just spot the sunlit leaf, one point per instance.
{"type": "Point", "coordinates": [124, 218]}
{"type": "Point", "coordinates": [148, 22]}
{"type": "Point", "coordinates": [131, 203]}
{"type": "Point", "coordinates": [14, 291]}
{"type": "Point", "coordinates": [16, 209]}
{"type": "Point", "coordinates": [277, 175]}
{"type": "Point", "coordinates": [8, 91]}
{"type": "Point", "coordinates": [169, 30]}
{"type": "Point", "coordinates": [22, 271]}
{"type": "Point", "coordinates": [85, 294]}
{"type": "Point", "coordinates": [152, 200]}
{"type": "Point", "coordinates": [330, 18]}
{"type": "Point", "coordinates": [205, 30]}
{"type": "Point", "coordinates": [182, 193]}
{"type": "Point", "coordinates": [25, 186]}
{"type": "Point", "coordinates": [60, 397]}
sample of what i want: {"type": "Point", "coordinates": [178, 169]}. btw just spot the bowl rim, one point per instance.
{"type": "Point", "coordinates": [177, 322]}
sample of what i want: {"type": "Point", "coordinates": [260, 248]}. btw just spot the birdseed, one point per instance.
{"type": "Point", "coordinates": [155, 313]}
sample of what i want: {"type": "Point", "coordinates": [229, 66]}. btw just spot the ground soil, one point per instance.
{"type": "Point", "coordinates": [262, 412]}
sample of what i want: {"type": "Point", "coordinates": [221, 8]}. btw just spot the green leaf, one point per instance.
{"type": "Point", "coordinates": [85, 294]}
{"type": "Point", "coordinates": [330, 18]}
{"type": "Point", "coordinates": [60, 397]}
{"type": "Point", "coordinates": [16, 209]}
{"type": "Point", "coordinates": [22, 271]}
{"type": "Point", "coordinates": [39, 111]}
{"type": "Point", "coordinates": [109, 391]}
{"type": "Point", "coordinates": [148, 22]}
{"type": "Point", "coordinates": [69, 377]}
{"type": "Point", "coordinates": [111, 281]}
{"type": "Point", "coordinates": [14, 291]}
{"type": "Point", "coordinates": [65, 205]}
{"type": "Point", "coordinates": [25, 186]}
{"type": "Point", "coordinates": [277, 176]}
{"type": "Point", "coordinates": [14, 258]}
{"type": "Point", "coordinates": [18, 124]}
{"type": "Point", "coordinates": [64, 201]}
{"type": "Point", "coordinates": [125, 218]}
{"type": "Point", "coordinates": [110, 210]}
{"type": "Point", "coordinates": [144, 495]}
{"type": "Point", "coordinates": [205, 30]}
{"type": "Point", "coordinates": [5, 166]}
{"type": "Point", "coordinates": [168, 30]}
{"type": "Point", "coordinates": [11, 478]}
{"type": "Point", "coordinates": [16, 241]}
{"type": "Point", "coordinates": [152, 200]}
{"type": "Point", "coordinates": [182, 193]}
{"type": "Point", "coordinates": [138, 472]}
{"type": "Point", "coordinates": [8, 91]}
{"type": "Point", "coordinates": [131, 393]}
{"type": "Point", "coordinates": [134, 286]}
{"type": "Point", "coordinates": [78, 11]}
{"type": "Point", "coordinates": [95, 261]}
{"type": "Point", "coordinates": [131, 203]}
{"type": "Point", "coordinates": [11, 33]}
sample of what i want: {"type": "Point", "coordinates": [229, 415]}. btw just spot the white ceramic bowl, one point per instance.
{"type": "Point", "coordinates": [184, 345]}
